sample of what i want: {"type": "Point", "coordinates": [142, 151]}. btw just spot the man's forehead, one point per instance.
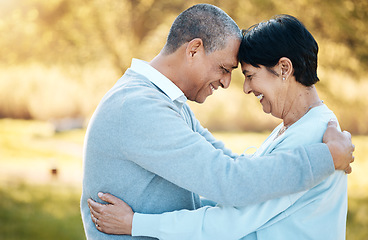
{"type": "Point", "coordinates": [229, 59]}
{"type": "Point", "coordinates": [232, 53]}
{"type": "Point", "coordinates": [225, 59]}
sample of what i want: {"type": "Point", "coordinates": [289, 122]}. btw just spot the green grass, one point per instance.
{"type": "Point", "coordinates": [357, 223]}
{"type": "Point", "coordinates": [35, 205]}
{"type": "Point", "coordinates": [40, 212]}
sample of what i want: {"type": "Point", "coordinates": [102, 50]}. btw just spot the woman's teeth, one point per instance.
{"type": "Point", "coordinates": [212, 88]}
{"type": "Point", "coordinates": [260, 96]}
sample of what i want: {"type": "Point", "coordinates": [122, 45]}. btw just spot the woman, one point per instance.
{"type": "Point", "coordinates": [279, 61]}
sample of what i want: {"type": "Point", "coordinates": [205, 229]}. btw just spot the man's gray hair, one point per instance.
{"type": "Point", "coordinates": [204, 21]}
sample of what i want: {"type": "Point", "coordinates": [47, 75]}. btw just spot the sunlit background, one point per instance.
{"type": "Point", "coordinates": [59, 57]}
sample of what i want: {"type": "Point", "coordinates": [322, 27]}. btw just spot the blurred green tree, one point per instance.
{"type": "Point", "coordinates": [81, 31]}
{"type": "Point", "coordinates": [84, 35]}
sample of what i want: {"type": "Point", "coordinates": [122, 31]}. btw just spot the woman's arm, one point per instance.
{"type": "Point", "coordinates": [220, 222]}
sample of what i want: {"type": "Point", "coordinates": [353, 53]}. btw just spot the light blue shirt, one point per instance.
{"type": "Point", "coordinates": [144, 145]}
{"type": "Point", "coordinates": [319, 213]}
{"type": "Point", "coordinates": [161, 81]}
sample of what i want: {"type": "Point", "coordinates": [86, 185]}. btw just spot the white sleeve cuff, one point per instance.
{"type": "Point", "coordinates": [146, 225]}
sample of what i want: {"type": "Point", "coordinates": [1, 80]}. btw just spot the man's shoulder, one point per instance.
{"type": "Point", "coordinates": [134, 88]}
{"type": "Point", "coordinates": [132, 82]}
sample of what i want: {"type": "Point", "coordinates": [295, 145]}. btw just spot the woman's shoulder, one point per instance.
{"type": "Point", "coordinates": [318, 116]}
{"type": "Point", "coordinates": [310, 128]}
{"type": "Point", "coordinates": [316, 119]}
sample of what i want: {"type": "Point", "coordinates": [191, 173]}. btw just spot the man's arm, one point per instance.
{"type": "Point", "coordinates": [159, 140]}
{"type": "Point", "coordinates": [211, 139]}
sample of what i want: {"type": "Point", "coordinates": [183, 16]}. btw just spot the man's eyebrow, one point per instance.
{"type": "Point", "coordinates": [234, 66]}
{"type": "Point", "coordinates": [229, 66]}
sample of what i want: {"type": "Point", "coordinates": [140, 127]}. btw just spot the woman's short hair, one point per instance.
{"type": "Point", "coordinates": [204, 21]}
{"type": "Point", "coordinates": [282, 36]}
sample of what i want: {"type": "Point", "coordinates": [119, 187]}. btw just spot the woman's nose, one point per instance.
{"type": "Point", "coordinates": [246, 87]}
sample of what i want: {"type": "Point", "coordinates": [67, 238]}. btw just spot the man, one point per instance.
{"type": "Point", "coordinates": [144, 145]}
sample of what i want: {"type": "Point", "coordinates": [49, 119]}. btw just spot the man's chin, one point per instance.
{"type": "Point", "coordinates": [201, 100]}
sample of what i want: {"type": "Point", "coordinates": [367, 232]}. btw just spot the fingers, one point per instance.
{"type": "Point", "coordinates": [332, 123]}
{"type": "Point", "coordinates": [96, 223]}
{"type": "Point", "coordinates": [95, 205]}
{"type": "Point", "coordinates": [94, 217]}
{"type": "Point", "coordinates": [95, 209]}
{"type": "Point", "coordinates": [94, 212]}
{"type": "Point", "coordinates": [348, 170]}
{"type": "Point", "coordinates": [352, 147]}
{"type": "Point", "coordinates": [107, 197]}
{"type": "Point", "coordinates": [348, 134]}
{"type": "Point", "coordinates": [352, 153]}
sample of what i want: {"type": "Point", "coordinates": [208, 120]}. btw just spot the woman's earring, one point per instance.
{"type": "Point", "coordinates": [283, 78]}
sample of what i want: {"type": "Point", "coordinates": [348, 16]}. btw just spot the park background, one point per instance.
{"type": "Point", "coordinates": [59, 57]}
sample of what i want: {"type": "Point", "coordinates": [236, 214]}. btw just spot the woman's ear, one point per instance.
{"type": "Point", "coordinates": [194, 47]}
{"type": "Point", "coordinates": [286, 67]}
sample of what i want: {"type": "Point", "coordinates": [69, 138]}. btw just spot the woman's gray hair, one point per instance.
{"type": "Point", "coordinates": [204, 21]}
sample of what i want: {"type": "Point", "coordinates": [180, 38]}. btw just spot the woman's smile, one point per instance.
{"type": "Point", "coordinates": [260, 97]}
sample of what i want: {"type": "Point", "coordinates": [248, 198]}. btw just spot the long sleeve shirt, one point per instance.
{"type": "Point", "coordinates": [318, 213]}
{"type": "Point", "coordinates": [144, 145]}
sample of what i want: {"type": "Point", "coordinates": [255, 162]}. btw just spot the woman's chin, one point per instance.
{"type": "Point", "coordinates": [266, 110]}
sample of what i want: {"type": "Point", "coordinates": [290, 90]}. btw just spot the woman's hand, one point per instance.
{"type": "Point", "coordinates": [116, 217]}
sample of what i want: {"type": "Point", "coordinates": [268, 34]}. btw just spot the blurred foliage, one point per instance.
{"type": "Point", "coordinates": [58, 57]}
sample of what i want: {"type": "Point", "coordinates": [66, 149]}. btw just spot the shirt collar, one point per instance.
{"type": "Point", "coordinates": [162, 82]}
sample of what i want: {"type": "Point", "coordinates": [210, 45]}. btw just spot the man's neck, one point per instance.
{"type": "Point", "coordinates": [170, 66]}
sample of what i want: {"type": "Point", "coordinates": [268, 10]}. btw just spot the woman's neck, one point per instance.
{"type": "Point", "coordinates": [301, 101]}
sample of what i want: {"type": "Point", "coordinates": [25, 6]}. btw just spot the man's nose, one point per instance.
{"type": "Point", "coordinates": [225, 81]}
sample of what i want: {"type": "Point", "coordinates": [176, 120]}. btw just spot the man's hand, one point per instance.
{"type": "Point", "coordinates": [340, 146]}
{"type": "Point", "coordinates": [113, 218]}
